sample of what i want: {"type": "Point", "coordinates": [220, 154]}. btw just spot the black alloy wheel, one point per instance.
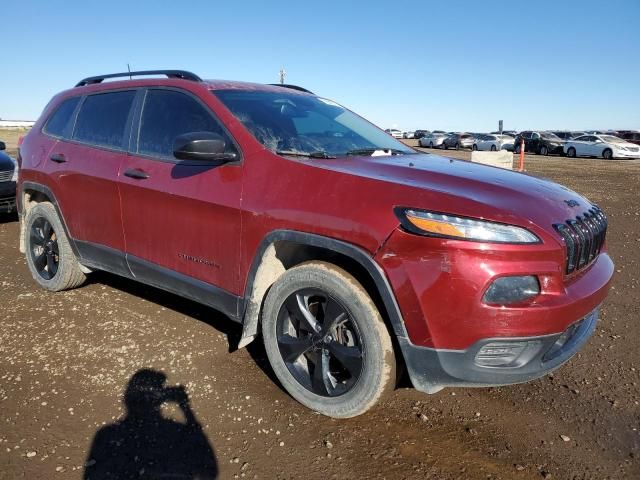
{"type": "Point", "coordinates": [319, 344]}
{"type": "Point", "coordinates": [45, 253]}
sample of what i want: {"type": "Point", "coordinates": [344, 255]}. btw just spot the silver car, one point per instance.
{"type": "Point", "coordinates": [433, 140]}
{"type": "Point", "coordinates": [493, 142]}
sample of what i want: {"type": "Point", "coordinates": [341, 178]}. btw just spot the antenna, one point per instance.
{"type": "Point", "coordinates": [129, 70]}
{"type": "Point", "coordinates": [283, 74]}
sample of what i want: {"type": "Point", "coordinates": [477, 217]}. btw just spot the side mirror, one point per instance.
{"type": "Point", "coordinates": [3, 146]}
{"type": "Point", "coordinates": [202, 146]}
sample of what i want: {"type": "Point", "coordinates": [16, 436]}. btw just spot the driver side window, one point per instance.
{"type": "Point", "coordinates": [167, 114]}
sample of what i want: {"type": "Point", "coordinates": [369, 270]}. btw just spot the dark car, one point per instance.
{"type": "Point", "coordinates": [567, 135]}
{"type": "Point", "coordinates": [458, 141]}
{"type": "Point", "coordinates": [8, 178]}
{"type": "Point", "coordinates": [249, 198]}
{"type": "Point", "coordinates": [542, 143]}
{"type": "Point", "coordinates": [418, 134]}
{"type": "Point", "coordinates": [631, 136]}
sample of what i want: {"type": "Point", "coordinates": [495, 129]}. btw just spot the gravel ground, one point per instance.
{"type": "Point", "coordinates": [67, 359]}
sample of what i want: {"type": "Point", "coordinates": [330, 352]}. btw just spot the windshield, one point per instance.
{"type": "Point", "coordinates": [550, 136]}
{"type": "Point", "coordinates": [293, 123]}
{"type": "Point", "coordinates": [611, 139]}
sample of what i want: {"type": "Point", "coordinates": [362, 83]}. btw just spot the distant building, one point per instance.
{"type": "Point", "coordinates": [16, 124]}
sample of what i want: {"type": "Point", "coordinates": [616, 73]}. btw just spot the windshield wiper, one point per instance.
{"type": "Point", "coordinates": [293, 153]}
{"type": "Point", "coordinates": [372, 150]}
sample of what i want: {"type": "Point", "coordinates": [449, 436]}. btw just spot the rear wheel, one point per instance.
{"type": "Point", "coordinates": [445, 146]}
{"type": "Point", "coordinates": [516, 149]}
{"type": "Point", "coordinates": [457, 146]}
{"type": "Point", "coordinates": [493, 148]}
{"type": "Point", "coordinates": [607, 154]}
{"type": "Point", "coordinates": [430, 144]}
{"type": "Point", "coordinates": [544, 150]}
{"type": "Point", "coordinates": [326, 340]}
{"type": "Point", "coordinates": [51, 261]}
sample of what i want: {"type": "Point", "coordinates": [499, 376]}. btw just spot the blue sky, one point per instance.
{"type": "Point", "coordinates": [450, 65]}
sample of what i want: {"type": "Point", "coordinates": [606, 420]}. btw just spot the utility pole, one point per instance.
{"type": "Point", "coordinates": [283, 74]}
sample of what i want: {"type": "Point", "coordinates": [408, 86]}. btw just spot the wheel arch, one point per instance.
{"type": "Point", "coordinates": [29, 195]}
{"type": "Point", "coordinates": [281, 250]}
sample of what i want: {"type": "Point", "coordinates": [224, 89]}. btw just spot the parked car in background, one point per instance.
{"type": "Point", "coordinates": [543, 143]}
{"type": "Point", "coordinates": [433, 140]}
{"type": "Point", "coordinates": [493, 142]}
{"type": "Point", "coordinates": [457, 273]}
{"type": "Point", "coordinates": [420, 133]}
{"type": "Point", "coordinates": [394, 132]}
{"type": "Point", "coordinates": [8, 179]}
{"type": "Point", "coordinates": [631, 136]}
{"type": "Point", "coordinates": [408, 134]}
{"type": "Point", "coordinates": [567, 135]}
{"type": "Point", "coordinates": [511, 133]}
{"type": "Point", "coordinates": [458, 141]}
{"type": "Point", "coordinates": [604, 146]}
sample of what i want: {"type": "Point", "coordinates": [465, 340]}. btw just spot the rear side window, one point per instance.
{"type": "Point", "coordinates": [166, 115]}
{"type": "Point", "coordinates": [102, 119]}
{"type": "Point", "coordinates": [58, 122]}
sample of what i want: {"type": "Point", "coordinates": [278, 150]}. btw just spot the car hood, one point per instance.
{"type": "Point", "coordinates": [5, 162]}
{"type": "Point", "coordinates": [464, 188]}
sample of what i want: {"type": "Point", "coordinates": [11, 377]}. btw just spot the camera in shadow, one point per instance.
{"type": "Point", "coordinates": [147, 445]}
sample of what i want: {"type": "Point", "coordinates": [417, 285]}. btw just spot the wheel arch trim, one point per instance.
{"type": "Point", "coordinates": [250, 315]}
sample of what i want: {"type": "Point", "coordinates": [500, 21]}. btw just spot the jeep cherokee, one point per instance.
{"type": "Point", "coordinates": [351, 253]}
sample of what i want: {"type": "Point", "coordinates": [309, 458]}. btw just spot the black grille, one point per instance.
{"type": "Point", "coordinates": [584, 237]}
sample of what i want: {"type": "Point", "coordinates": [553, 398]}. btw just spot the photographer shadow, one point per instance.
{"type": "Point", "coordinates": [147, 445]}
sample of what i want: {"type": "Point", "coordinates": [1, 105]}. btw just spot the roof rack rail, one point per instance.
{"type": "Point", "coordinates": [183, 74]}
{"type": "Point", "coordinates": [292, 87]}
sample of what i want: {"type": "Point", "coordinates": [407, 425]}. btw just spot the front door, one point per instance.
{"type": "Point", "coordinates": [181, 219]}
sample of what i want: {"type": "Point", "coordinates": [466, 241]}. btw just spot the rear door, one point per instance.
{"type": "Point", "coordinates": [85, 166]}
{"type": "Point", "coordinates": [181, 219]}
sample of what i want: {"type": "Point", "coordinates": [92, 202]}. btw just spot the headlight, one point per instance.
{"type": "Point", "coordinates": [449, 226]}
{"type": "Point", "coordinates": [14, 178]}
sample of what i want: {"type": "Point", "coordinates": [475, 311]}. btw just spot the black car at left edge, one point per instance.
{"type": "Point", "coordinates": [8, 179]}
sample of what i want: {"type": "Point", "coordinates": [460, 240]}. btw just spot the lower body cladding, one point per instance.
{"type": "Point", "coordinates": [7, 197]}
{"type": "Point", "coordinates": [495, 361]}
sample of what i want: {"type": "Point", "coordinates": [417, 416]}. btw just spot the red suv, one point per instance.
{"type": "Point", "coordinates": [350, 252]}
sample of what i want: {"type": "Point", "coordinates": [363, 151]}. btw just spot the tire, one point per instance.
{"type": "Point", "coordinates": [50, 259]}
{"type": "Point", "coordinates": [493, 148]}
{"type": "Point", "coordinates": [457, 146]}
{"type": "Point", "coordinates": [359, 325]}
{"type": "Point", "coordinates": [607, 154]}
{"type": "Point", "coordinates": [444, 146]}
{"type": "Point", "coordinates": [474, 148]}
{"type": "Point", "coordinates": [544, 150]}
{"type": "Point", "coordinates": [516, 149]}
{"type": "Point", "coordinates": [430, 144]}
{"type": "Point", "coordinates": [571, 152]}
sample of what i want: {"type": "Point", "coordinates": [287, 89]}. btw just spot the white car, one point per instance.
{"type": "Point", "coordinates": [408, 135]}
{"type": "Point", "coordinates": [395, 133]}
{"type": "Point", "coordinates": [433, 140]}
{"type": "Point", "coordinates": [493, 142]}
{"type": "Point", "coordinates": [604, 146]}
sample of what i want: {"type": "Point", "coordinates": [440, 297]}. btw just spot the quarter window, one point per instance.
{"type": "Point", "coordinates": [103, 118]}
{"type": "Point", "coordinates": [166, 115]}
{"type": "Point", "coordinates": [57, 123]}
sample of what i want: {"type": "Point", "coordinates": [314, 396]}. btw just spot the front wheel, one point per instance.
{"type": "Point", "coordinates": [571, 152]}
{"type": "Point", "coordinates": [430, 144]}
{"type": "Point", "coordinates": [475, 147]}
{"type": "Point", "coordinates": [544, 150]}
{"type": "Point", "coordinates": [607, 154]}
{"type": "Point", "coordinates": [493, 148]}
{"type": "Point", "coordinates": [326, 340]}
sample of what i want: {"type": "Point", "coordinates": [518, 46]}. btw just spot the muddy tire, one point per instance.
{"type": "Point", "coordinates": [51, 261]}
{"type": "Point", "coordinates": [326, 340]}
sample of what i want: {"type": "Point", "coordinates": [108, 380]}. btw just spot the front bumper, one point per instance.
{"type": "Point", "coordinates": [7, 197]}
{"type": "Point", "coordinates": [627, 154]}
{"type": "Point", "coordinates": [432, 369]}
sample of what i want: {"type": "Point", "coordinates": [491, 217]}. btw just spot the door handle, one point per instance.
{"type": "Point", "coordinates": [136, 173]}
{"type": "Point", "coordinates": [58, 158]}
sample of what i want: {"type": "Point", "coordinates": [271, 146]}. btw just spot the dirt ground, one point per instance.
{"type": "Point", "coordinates": [67, 359]}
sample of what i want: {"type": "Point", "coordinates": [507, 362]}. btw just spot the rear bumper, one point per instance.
{"type": "Point", "coordinates": [432, 369]}
{"type": "Point", "coordinates": [7, 197]}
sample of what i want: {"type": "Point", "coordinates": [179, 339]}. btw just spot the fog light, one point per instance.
{"type": "Point", "coordinates": [499, 354]}
{"type": "Point", "coordinates": [507, 290]}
